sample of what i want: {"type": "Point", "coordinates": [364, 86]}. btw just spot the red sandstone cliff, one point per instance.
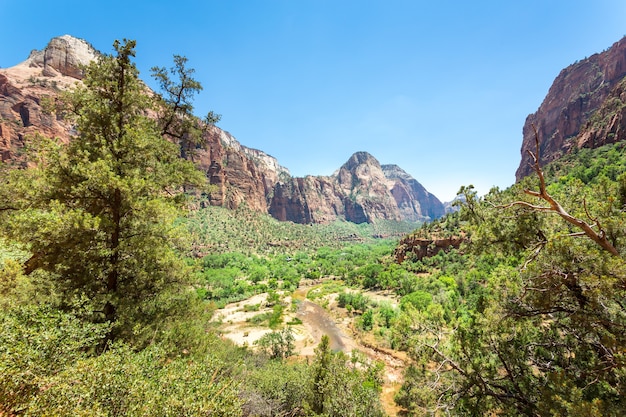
{"type": "Point", "coordinates": [360, 191]}
{"type": "Point", "coordinates": [576, 94]}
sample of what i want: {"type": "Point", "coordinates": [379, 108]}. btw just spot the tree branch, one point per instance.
{"type": "Point", "coordinates": [555, 207]}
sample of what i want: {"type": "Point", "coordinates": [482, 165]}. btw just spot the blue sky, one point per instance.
{"type": "Point", "coordinates": [440, 88]}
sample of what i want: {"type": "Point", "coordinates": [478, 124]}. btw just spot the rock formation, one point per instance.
{"type": "Point", "coordinates": [64, 55]}
{"type": "Point", "coordinates": [575, 95]}
{"type": "Point", "coordinates": [414, 202]}
{"type": "Point", "coordinates": [419, 248]}
{"type": "Point", "coordinates": [23, 86]}
{"type": "Point", "coordinates": [360, 191]}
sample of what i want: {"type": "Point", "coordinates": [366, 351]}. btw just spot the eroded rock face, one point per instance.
{"type": "Point", "coordinates": [414, 202]}
{"type": "Point", "coordinates": [608, 124]}
{"type": "Point", "coordinates": [44, 74]}
{"type": "Point", "coordinates": [577, 92]}
{"type": "Point", "coordinates": [21, 117]}
{"type": "Point", "coordinates": [64, 55]}
{"type": "Point", "coordinates": [360, 191]}
{"type": "Point", "coordinates": [420, 248]}
{"type": "Point", "coordinates": [239, 174]}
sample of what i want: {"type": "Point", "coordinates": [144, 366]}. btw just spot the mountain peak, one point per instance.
{"type": "Point", "coordinates": [393, 171]}
{"type": "Point", "coordinates": [64, 55]}
{"type": "Point", "coordinates": [360, 158]}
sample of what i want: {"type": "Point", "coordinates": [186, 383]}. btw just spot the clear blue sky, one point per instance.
{"type": "Point", "coordinates": [440, 88]}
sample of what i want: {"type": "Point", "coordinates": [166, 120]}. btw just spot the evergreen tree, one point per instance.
{"type": "Point", "coordinates": [98, 214]}
{"type": "Point", "coordinates": [176, 119]}
{"type": "Point", "coordinates": [320, 374]}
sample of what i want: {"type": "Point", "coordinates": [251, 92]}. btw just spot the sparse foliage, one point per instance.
{"type": "Point", "coordinates": [176, 119]}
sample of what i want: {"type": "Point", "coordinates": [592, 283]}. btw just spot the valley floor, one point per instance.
{"type": "Point", "coordinates": [316, 320]}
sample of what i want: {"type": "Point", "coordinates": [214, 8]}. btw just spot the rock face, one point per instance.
{"type": "Point", "coordinates": [608, 123]}
{"type": "Point", "coordinates": [563, 119]}
{"type": "Point", "coordinates": [420, 248]}
{"type": "Point", "coordinates": [63, 55]}
{"type": "Point", "coordinates": [22, 87]}
{"type": "Point", "coordinates": [360, 191]}
{"type": "Point", "coordinates": [241, 174]}
{"type": "Point", "coordinates": [414, 202]}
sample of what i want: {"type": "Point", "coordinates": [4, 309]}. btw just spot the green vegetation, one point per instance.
{"type": "Point", "coordinates": [278, 345]}
{"type": "Point", "coordinates": [534, 324]}
{"type": "Point", "coordinates": [104, 310]}
{"type": "Point", "coordinates": [220, 230]}
{"type": "Point", "coordinates": [108, 282]}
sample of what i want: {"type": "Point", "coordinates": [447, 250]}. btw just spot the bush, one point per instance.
{"type": "Point", "coordinates": [37, 342]}
{"type": "Point", "coordinates": [367, 320]}
{"type": "Point", "coordinates": [148, 383]}
{"type": "Point", "coordinates": [278, 345]}
{"type": "Point", "coordinates": [419, 299]}
{"type": "Point", "coordinates": [357, 300]}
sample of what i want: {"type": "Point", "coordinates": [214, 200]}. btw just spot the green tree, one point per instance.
{"type": "Point", "coordinates": [367, 320]}
{"type": "Point", "coordinates": [98, 214]}
{"type": "Point", "coordinates": [342, 386]}
{"type": "Point", "coordinates": [176, 119]}
{"type": "Point", "coordinates": [320, 374]}
{"type": "Point", "coordinates": [278, 344]}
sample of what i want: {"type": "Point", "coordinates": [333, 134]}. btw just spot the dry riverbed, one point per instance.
{"type": "Point", "coordinates": [316, 321]}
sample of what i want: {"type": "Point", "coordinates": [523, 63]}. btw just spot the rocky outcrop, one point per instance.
{"type": "Point", "coordinates": [309, 200]}
{"type": "Point", "coordinates": [419, 248]}
{"type": "Point", "coordinates": [575, 95]}
{"type": "Point", "coordinates": [608, 123]}
{"type": "Point", "coordinates": [21, 116]}
{"type": "Point", "coordinates": [64, 55]}
{"type": "Point", "coordinates": [44, 74]}
{"type": "Point", "coordinates": [240, 175]}
{"type": "Point", "coordinates": [360, 191]}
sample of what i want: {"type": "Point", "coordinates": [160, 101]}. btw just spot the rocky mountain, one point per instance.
{"type": "Point", "coordinates": [360, 191]}
{"type": "Point", "coordinates": [22, 87]}
{"type": "Point", "coordinates": [583, 108]}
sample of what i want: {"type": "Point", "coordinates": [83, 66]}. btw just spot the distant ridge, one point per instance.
{"type": "Point", "coordinates": [360, 191]}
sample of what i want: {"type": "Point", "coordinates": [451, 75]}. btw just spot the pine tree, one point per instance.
{"type": "Point", "coordinates": [320, 374]}
{"type": "Point", "coordinates": [98, 214]}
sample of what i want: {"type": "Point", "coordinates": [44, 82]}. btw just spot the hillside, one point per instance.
{"type": "Point", "coordinates": [565, 119]}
